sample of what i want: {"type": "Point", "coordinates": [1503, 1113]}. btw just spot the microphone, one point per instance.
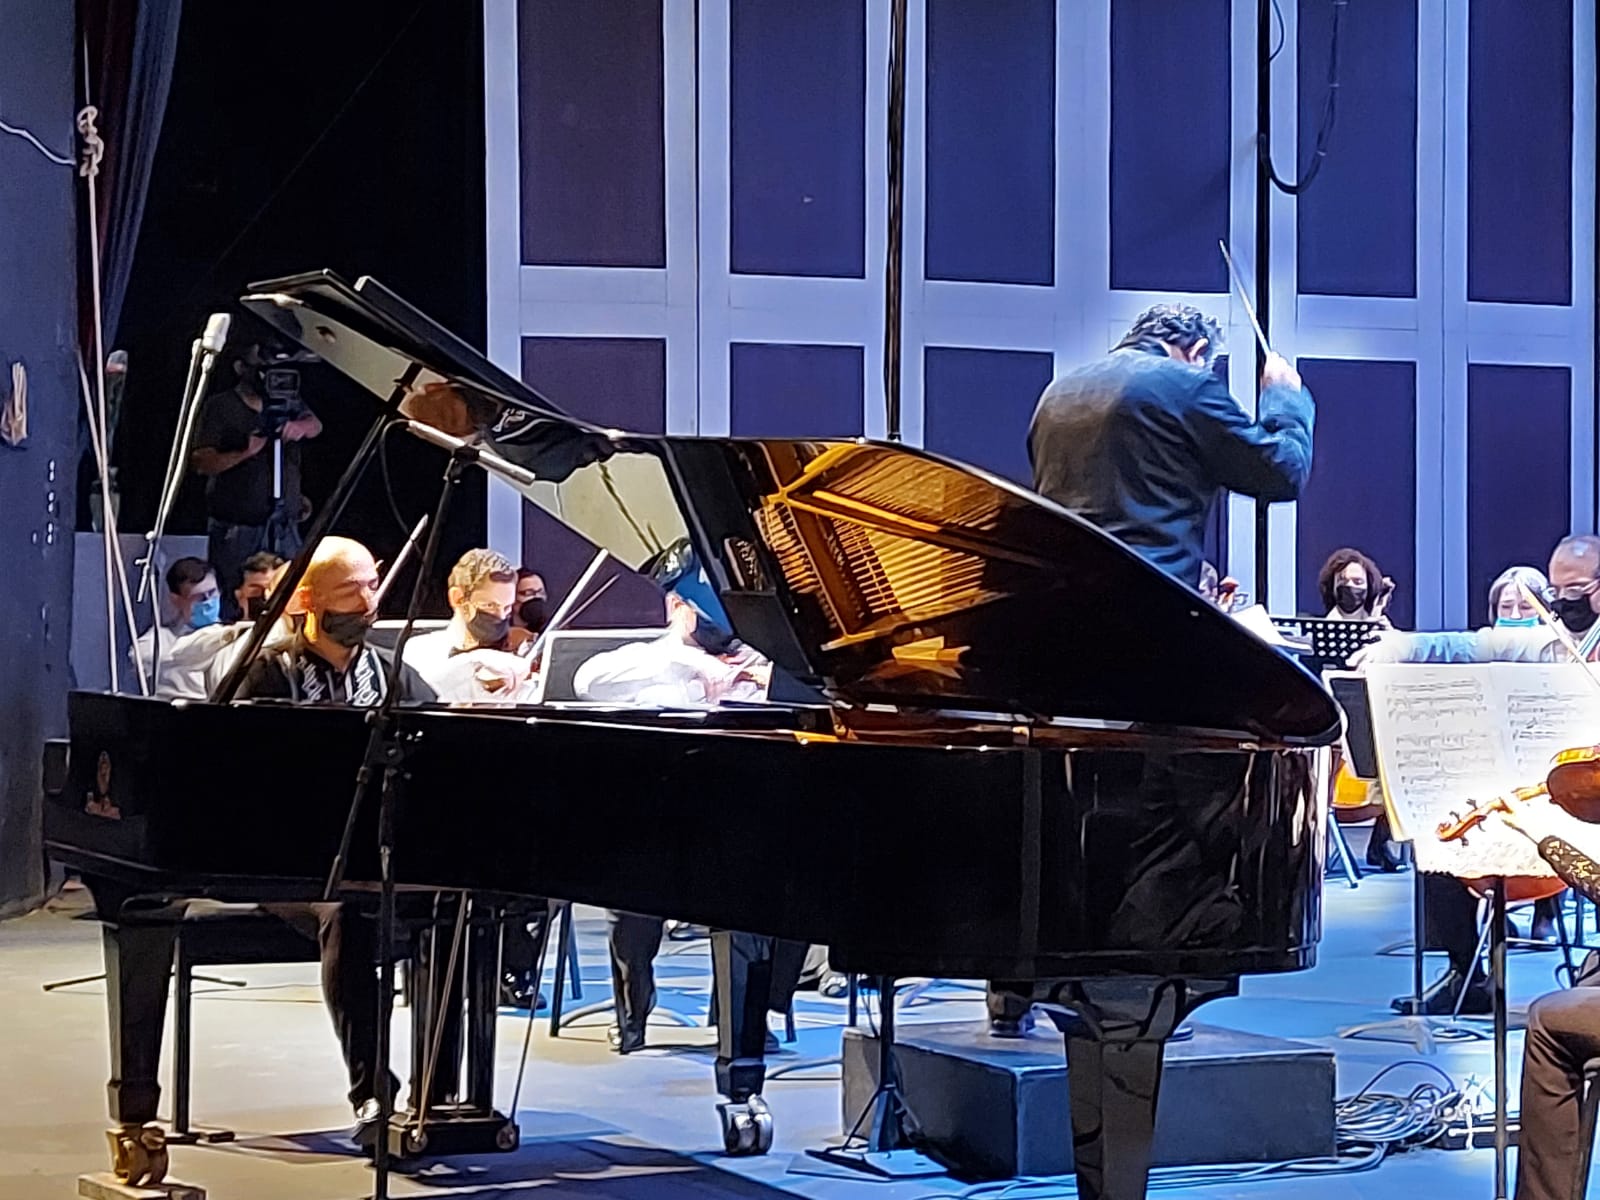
{"type": "Point", "coordinates": [216, 334]}
{"type": "Point", "coordinates": [487, 459]}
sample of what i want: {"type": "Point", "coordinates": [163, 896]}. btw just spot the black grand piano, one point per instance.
{"type": "Point", "coordinates": [1006, 748]}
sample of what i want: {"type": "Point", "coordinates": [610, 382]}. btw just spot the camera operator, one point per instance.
{"type": "Point", "coordinates": [248, 449]}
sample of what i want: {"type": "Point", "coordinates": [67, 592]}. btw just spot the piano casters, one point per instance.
{"type": "Point", "coordinates": [138, 1154]}
{"type": "Point", "coordinates": [741, 966]}
{"type": "Point", "coordinates": [138, 958]}
{"type": "Point", "coordinates": [1116, 1032]}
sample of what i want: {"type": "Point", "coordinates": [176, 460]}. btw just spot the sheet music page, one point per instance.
{"type": "Point", "coordinates": [1448, 735]}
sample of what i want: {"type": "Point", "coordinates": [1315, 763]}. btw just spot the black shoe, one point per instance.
{"type": "Point", "coordinates": [626, 1041]}
{"type": "Point", "coordinates": [518, 992]}
{"type": "Point", "coordinates": [683, 931]}
{"type": "Point", "coordinates": [1440, 999]}
{"type": "Point", "coordinates": [1011, 1027]}
{"type": "Point", "coordinates": [1386, 855]}
{"type": "Point", "coordinates": [1543, 928]}
{"type": "Point", "coordinates": [834, 985]}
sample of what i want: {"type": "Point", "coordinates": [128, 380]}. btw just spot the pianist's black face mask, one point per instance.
{"type": "Point", "coordinates": [347, 629]}
{"type": "Point", "coordinates": [487, 628]}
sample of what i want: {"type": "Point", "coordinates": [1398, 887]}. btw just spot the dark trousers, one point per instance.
{"type": "Point", "coordinates": [634, 942]}
{"type": "Point", "coordinates": [1450, 914]}
{"type": "Point", "coordinates": [523, 939]}
{"type": "Point", "coordinates": [1563, 1034]}
{"type": "Point", "coordinates": [1450, 919]}
{"type": "Point", "coordinates": [347, 941]}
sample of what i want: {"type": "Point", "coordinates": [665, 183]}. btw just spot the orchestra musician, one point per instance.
{"type": "Point", "coordinates": [1353, 588]}
{"type": "Point", "coordinates": [468, 661]}
{"type": "Point", "coordinates": [694, 664]}
{"type": "Point", "coordinates": [1143, 441]}
{"type": "Point", "coordinates": [329, 662]}
{"type": "Point", "coordinates": [1515, 635]}
{"type": "Point", "coordinates": [187, 643]}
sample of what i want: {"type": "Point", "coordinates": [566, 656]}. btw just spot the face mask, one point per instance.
{"type": "Point", "coordinates": [1576, 615]}
{"type": "Point", "coordinates": [347, 629]}
{"type": "Point", "coordinates": [254, 606]}
{"type": "Point", "coordinates": [205, 612]}
{"type": "Point", "coordinates": [487, 629]}
{"type": "Point", "coordinates": [1349, 599]}
{"type": "Point", "coordinates": [1515, 622]}
{"type": "Point", "coordinates": [533, 613]}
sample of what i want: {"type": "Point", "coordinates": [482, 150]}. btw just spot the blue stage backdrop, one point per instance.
{"type": "Point", "coordinates": [708, 179]}
{"type": "Point", "coordinates": [38, 317]}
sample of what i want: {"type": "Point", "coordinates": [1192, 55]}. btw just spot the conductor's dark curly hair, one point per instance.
{"type": "Point", "coordinates": [1180, 325]}
{"type": "Point", "coordinates": [1327, 578]}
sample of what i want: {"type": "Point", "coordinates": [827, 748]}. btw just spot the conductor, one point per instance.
{"type": "Point", "coordinates": [1143, 441]}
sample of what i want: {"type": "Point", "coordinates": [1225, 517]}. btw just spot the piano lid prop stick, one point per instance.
{"type": "Point", "coordinates": [1244, 299]}
{"type": "Point", "coordinates": [400, 559]}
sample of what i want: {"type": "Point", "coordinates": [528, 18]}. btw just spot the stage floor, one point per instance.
{"type": "Point", "coordinates": [595, 1125]}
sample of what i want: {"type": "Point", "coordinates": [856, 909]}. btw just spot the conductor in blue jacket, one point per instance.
{"type": "Point", "coordinates": [1143, 442]}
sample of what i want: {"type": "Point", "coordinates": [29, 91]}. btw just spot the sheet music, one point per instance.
{"type": "Point", "coordinates": [1448, 735]}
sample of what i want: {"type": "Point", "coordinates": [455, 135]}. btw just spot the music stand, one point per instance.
{"type": "Point", "coordinates": [1333, 643]}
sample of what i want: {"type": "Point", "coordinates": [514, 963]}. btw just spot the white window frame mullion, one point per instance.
{"type": "Point", "coordinates": [502, 240]}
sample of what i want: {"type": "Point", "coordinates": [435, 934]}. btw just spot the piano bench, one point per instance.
{"type": "Point", "coordinates": [212, 934]}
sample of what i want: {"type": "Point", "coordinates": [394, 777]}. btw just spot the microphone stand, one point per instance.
{"type": "Point", "coordinates": [201, 359]}
{"type": "Point", "coordinates": [388, 745]}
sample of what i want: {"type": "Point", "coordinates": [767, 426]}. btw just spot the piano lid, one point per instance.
{"type": "Point", "coordinates": [880, 572]}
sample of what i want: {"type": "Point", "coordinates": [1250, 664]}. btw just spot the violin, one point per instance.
{"type": "Point", "coordinates": [1573, 783]}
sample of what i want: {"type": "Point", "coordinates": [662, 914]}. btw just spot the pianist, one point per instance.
{"type": "Point", "coordinates": [468, 661]}
{"type": "Point", "coordinates": [328, 662]}
{"type": "Point", "coordinates": [1143, 441]}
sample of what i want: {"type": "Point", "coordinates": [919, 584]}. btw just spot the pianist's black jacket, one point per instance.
{"type": "Point", "coordinates": [1140, 444]}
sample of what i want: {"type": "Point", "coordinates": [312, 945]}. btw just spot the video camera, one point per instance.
{"type": "Point", "coordinates": [274, 372]}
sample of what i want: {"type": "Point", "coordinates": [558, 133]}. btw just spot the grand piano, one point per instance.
{"type": "Point", "coordinates": [1000, 746]}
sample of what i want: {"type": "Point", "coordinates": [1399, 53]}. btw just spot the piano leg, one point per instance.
{"type": "Point", "coordinates": [138, 957]}
{"type": "Point", "coordinates": [741, 968]}
{"type": "Point", "coordinates": [1116, 1032]}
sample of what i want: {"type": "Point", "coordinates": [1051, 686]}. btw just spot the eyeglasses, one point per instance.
{"type": "Point", "coordinates": [1577, 591]}
{"type": "Point", "coordinates": [493, 609]}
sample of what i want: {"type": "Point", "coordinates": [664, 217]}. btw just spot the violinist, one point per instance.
{"type": "Point", "coordinates": [1450, 908]}
{"type": "Point", "coordinates": [1353, 588]}
{"type": "Point", "coordinates": [1563, 1027]}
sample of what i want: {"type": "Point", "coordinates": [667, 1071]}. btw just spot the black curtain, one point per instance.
{"type": "Point", "coordinates": [38, 305]}
{"type": "Point", "coordinates": [131, 46]}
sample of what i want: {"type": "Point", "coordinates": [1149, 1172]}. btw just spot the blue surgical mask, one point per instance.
{"type": "Point", "coordinates": [206, 612]}
{"type": "Point", "coordinates": [1515, 622]}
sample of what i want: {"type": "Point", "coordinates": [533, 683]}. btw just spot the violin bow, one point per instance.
{"type": "Point", "coordinates": [1578, 651]}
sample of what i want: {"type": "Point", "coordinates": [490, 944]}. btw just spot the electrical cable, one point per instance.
{"type": "Point", "coordinates": [1330, 114]}
{"type": "Point", "coordinates": [18, 131]}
